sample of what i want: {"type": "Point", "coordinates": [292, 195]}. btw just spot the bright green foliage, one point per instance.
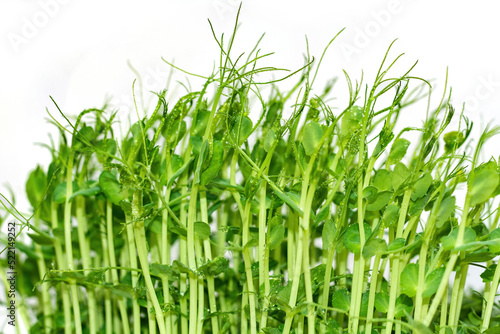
{"type": "Point", "coordinates": [398, 151]}
{"type": "Point", "coordinates": [223, 215]}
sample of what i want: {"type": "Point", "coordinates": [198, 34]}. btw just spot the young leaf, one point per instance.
{"type": "Point", "coordinates": [449, 241]}
{"type": "Point", "coordinates": [398, 150]}
{"type": "Point", "coordinates": [404, 306]}
{"type": "Point", "coordinates": [396, 244]}
{"type": "Point", "coordinates": [409, 279]}
{"type": "Point", "coordinates": [241, 130]}
{"type": "Point", "coordinates": [92, 191]}
{"type": "Point", "coordinates": [400, 174]}
{"type": "Point", "coordinates": [383, 180]}
{"type": "Point", "coordinates": [374, 246]}
{"type": "Point", "coordinates": [352, 237]}
{"type": "Point", "coordinates": [495, 235]}
{"type": "Point", "coordinates": [202, 230]}
{"type": "Point", "coordinates": [59, 195]}
{"type": "Point", "coordinates": [215, 164]}
{"type": "Point", "coordinates": [432, 281]}
{"type": "Point", "coordinates": [382, 301]}
{"type": "Point", "coordinates": [312, 136]}
{"type": "Point", "coordinates": [351, 121]}
{"type": "Point", "coordinates": [40, 239]}
{"type": "Point", "coordinates": [453, 140]}
{"type": "Point", "coordinates": [276, 236]}
{"type": "Point", "coordinates": [421, 186]}
{"type": "Point", "coordinates": [445, 211]}
{"type": "Point", "coordinates": [215, 267]}
{"type": "Point", "coordinates": [391, 215]}
{"type": "Point", "coordinates": [379, 201]}
{"type": "Point", "coordinates": [483, 184]}
{"type": "Point", "coordinates": [329, 233]}
{"type": "Point", "coordinates": [110, 187]}
{"type": "Point", "coordinates": [341, 299]}
{"type": "Point", "coordinates": [369, 192]}
{"type": "Point", "coordinates": [269, 140]}
{"type": "Point", "coordinates": [35, 186]}
{"type": "Point", "coordinates": [163, 271]}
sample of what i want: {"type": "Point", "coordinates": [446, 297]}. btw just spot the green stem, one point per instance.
{"type": "Point", "coordinates": [142, 251]}
{"type": "Point", "coordinates": [490, 300]}
{"type": "Point", "coordinates": [395, 268]}
{"type": "Point", "coordinates": [132, 258]}
{"type": "Point", "coordinates": [85, 255]}
{"type": "Point", "coordinates": [61, 263]}
{"type": "Point", "coordinates": [122, 306]}
{"type": "Point", "coordinates": [42, 269]}
{"type": "Point", "coordinates": [248, 266]}
{"type": "Point", "coordinates": [108, 303]}
{"type": "Point", "coordinates": [263, 255]}
{"type": "Point", "coordinates": [191, 254]}
{"type": "Point", "coordinates": [69, 244]}
{"type": "Point", "coordinates": [208, 255]}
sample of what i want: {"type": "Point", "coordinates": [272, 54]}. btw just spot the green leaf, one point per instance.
{"type": "Point", "coordinates": [383, 180]}
{"type": "Point", "coordinates": [328, 234]}
{"type": "Point", "coordinates": [483, 185]}
{"type": "Point", "coordinates": [492, 330]}
{"type": "Point", "coordinates": [269, 140]}
{"type": "Point", "coordinates": [40, 239]}
{"type": "Point", "coordinates": [215, 164]}
{"type": "Point", "coordinates": [35, 186]}
{"type": "Point", "coordinates": [369, 192]}
{"type": "Point", "coordinates": [59, 195]}
{"type": "Point", "coordinates": [374, 246]}
{"type": "Point", "coordinates": [495, 235]}
{"type": "Point", "coordinates": [341, 300]}
{"type": "Point", "coordinates": [489, 273]}
{"type": "Point", "coordinates": [351, 121]}
{"type": "Point", "coordinates": [241, 129]}
{"type": "Point", "coordinates": [409, 279]}
{"type": "Point", "coordinates": [432, 281]}
{"type": "Point", "coordinates": [453, 140]}
{"type": "Point", "coordinates": [382, 301]}
{"type": "Point", "coordinates": [398, 150]}
{"type": "Point", "coordinates": [391, 215]}
{"type": "Point", "coordinates": [322, 215]}
{"type": "Point", "coordinates": [420, 328]}
{"type": "Point", "coordinates": [276, 236]}
{"type": "Point", "coordinates": [379, 201]}
{"type": "Point", "coordinates": [477, 257]}
{"type": "Point", "coordinates": [400, 175]}
{"type": "Point", "coordinates": [311, 137]}
{"type": "Point", "coordinates": [181, 268]}
{"type": "Point", "coordinates": [449, 241]}
{"type": "Point", "coordinates": [92, 191]}
{"type": "Point", "coordinates": [285, 198]}
{"type": "Point", "coordinates": [215, 267]}
{"type": "Point", "coordinates": [352, 237]}
{"type": "Point", "coordinates": [396, 244]}
{"type": "Point", "coordinates": [445, 211]}
{"type": "Point", "coordinates": [122, 290]}
{"type": "Point", "coordinates": [179, 172]}
{"type": "Point", "coordinates": [202, 230]}
{"type": "Point", "coordinates": [421, 187]}
{"type": "Point", "coordinates": [163, 271]}
{"type": "Point", "coordinates": [404, 306]}
{"type": "Point", "coordinates": [174, 227]}
{"type": "Point", "coordinates": [110, 187]}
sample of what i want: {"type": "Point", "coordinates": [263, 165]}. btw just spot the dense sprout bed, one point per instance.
{"type": "Point", "coordinates": [202, 220]}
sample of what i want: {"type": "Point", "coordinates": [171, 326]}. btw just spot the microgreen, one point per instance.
{"type": "Point", "coordinates": [203, 219]}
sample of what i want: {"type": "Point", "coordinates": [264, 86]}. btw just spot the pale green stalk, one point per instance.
{"type": "Point", "coordinates": [122, 306]}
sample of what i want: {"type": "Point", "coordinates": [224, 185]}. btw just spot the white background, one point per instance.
{"type": "Point", "coordinates": [77, 52]}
